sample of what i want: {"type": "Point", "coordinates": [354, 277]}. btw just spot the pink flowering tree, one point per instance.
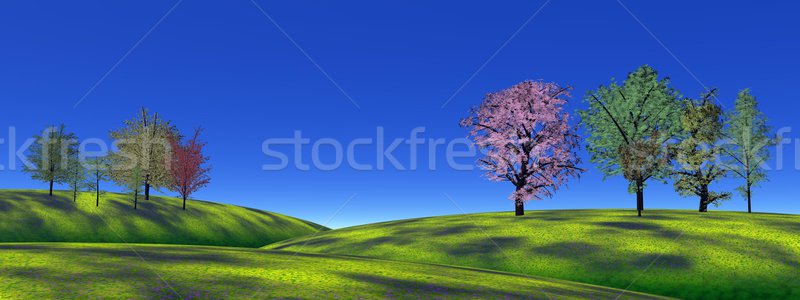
{"type": "Point", "coordinates": [525, 138]}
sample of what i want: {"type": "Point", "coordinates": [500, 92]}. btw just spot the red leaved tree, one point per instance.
{"type": "Point", "coordinates": [526, 139]}
{"type": "Point", "coordinates": [188, 166]}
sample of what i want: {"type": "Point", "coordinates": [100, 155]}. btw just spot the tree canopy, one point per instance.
{"type": "Point", "coordinates": [526, 139]}
{"type": "Point", "coordinates": [629, 123]}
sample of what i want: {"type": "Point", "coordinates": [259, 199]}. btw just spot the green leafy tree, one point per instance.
{"type": "Point", "coordinates": [749, 137]}
{"type": "Point", "coordinates": [699, 151]}
{"type": "Point", "coordinates": [98, 169]}
{"type": "Point", "coordinates": [49, 155]}
{"type": "Point", "coordinates": [75, 175]}
{"type": "Point", "coordinates": [629, 126]}
{"type": "Point", "coordinates": [133, 184]}
{"type": "Point", "coordinates": [143, 142]}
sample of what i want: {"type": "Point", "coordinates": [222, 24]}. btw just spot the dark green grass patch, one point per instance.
{"type": "Point", "coordinates": [33, 216]}
{"type": "Point", "coordinates": [92, 271]}
{"type": "Point", "coordinates": [675, 253]}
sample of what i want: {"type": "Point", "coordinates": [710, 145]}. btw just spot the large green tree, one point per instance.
{"type": "Point", "coordinates": [698, 152]}
{"type": "Point", "coordinates": [143, 142]}
{"type": "Point", "coordinates": [749, 137]}
{"type": "Point", "coordinates": [49, 155]}
{"type": "Point", "coordinates": [629, 126]}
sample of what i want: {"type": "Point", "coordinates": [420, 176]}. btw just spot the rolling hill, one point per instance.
{"type": "Point", "coordinates": [680, 254]}
{"type": "Point", "coordinates": [33, 216]}
{"type": "Point", "coordinates": [136, 271]}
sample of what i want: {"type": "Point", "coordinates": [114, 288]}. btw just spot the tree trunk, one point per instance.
{"type": "Point", "coordinates": [184, 202]}
{"type": "Point", "coordinates": [51, 187]}
{"type": "Point", "coordinates": [97, 193]}
{"type": "Point", "coordinates": [519, 208]}
{"type": "Point", "coordinates": [639, 197]}
{"type": "Point", "coordinates": [749, 208]}
{"type": "Point", "coordinates": [135, 198]}
{"type": "Point", "coordinates": [703, 198]}
{"type": "Point", "coordinates": [147, 187]}
{"type": "Point", "coordinates": [519, 205]}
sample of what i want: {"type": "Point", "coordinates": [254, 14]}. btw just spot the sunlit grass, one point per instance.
{"type": "Point", "coordinates": [33, 216]}
{"type": "Point", "coordinates": [91, 271]}
{"type": "Point", "coordinates": [675, 253]}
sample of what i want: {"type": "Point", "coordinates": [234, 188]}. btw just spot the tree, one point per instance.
{"type": "Point", "coordinates": [143, 142]}
{"type": "Point", "coordinates": [526, 139]}
{"type": "Point", "coordinates": [629, 127]}
{"type": "Point", "coordinates": [698, 152]}
{"type": "Point", "coordinates": [75, 175]}
{"type": "Point", "coordinates": [188, 167]}
{"type": "Point", "coordinates": [748, 136]}
{"type": "Point", "coordinates": [49, 155]}
{"type": "Point", "coordinates": [98, 168]}
{"type": "Point", "coordinates": [133, 184]}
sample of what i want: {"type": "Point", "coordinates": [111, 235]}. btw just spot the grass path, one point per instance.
{"type": "Point", "coordinates": [81, 271]}
{"type": "Point", "coordinates": [680, 254]}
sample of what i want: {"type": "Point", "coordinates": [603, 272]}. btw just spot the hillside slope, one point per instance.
{"type": "Point", "coordinates": [90, 271]}
{"type": "Point", "coordinates": [33, 216]}
{"type": "Point", "coordinates": [674, 253]}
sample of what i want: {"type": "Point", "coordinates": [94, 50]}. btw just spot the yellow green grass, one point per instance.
{"type": "Point", "coordinates": [33, 216]}
{"type": "Point", "coordinates": [680, 254]}
{"type": "Point", "coordinates": [137, 271]}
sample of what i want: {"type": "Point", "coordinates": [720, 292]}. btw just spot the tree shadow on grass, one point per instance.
{"type": "Point", "coordinates": [454, 230]}
{"type": "Point", "coordinates": [486, 247]}
{"type": "Point", "coordinates": [568, 250]}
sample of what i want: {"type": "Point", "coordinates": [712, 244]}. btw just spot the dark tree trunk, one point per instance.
{"type": "Point", "coordinates": [703, 198]}
{"type": "Point", "coordinates": [97, 193]}
{"type": "Point", "coordinates": [519, 208]}
{"type": "Point", "coordinates": [639, 197]}
{"type": "Point", "coordinates": [184, 202]}
{"type": "Point", "coordinates": [147, 187]}
{"type": "Point", "coordinates": [749, 208]}
{"type": "Point", "coordinates": [135, 198]}
{"type": "Point", "coordinates": [51, 187]}
{"type": "Point", "coordinates": [519, 205]}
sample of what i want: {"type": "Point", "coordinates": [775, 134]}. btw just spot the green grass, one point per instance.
{"type": "Point", "coordinates": [91, 271]}
{"type": "Point", "coordinates": [681, 254]}
{"type": "Point", "coordinates": [33, 216]}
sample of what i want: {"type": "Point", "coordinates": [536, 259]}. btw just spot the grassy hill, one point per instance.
{"type": "Point", "coordinates": [33, 216]}
{"type": "Point", "coordinates": [674, 253]}
{"type": "Point", "coordinates": [89, 271]}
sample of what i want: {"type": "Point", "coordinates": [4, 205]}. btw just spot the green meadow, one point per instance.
{"type": "Point", "coordinates": [33, 216]}
{"type": "Point", "coordinates": [93, 271]}
{"type": "Point", "coordinates": [681, 254]}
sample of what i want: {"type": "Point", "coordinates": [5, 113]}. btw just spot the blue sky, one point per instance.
{"type": "Point", "coordinates": [227, 67]}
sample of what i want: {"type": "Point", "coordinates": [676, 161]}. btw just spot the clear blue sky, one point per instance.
{"type": "Point", "coordinates": [224, 65]}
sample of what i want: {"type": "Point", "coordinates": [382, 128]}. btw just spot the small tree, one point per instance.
{"type": "Point", "coordinates": [98, 168]}
{"type": "Point", "coordinates": [748, 135]}
{"type": "Point", "coordinates": [698, 151]}
{"type": "Point", "coordinates": [188, 167]}
{"type": "Point", "coordinates": [526, 139]}
{"type": "Point", "coordinates": [622, 121]}
{"type": "Point", "coordinates": [75, 175]}
{"type": "Point", "coordinates": [133, 184]}
{"type": "Point", "coordinates": [50, 154]}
